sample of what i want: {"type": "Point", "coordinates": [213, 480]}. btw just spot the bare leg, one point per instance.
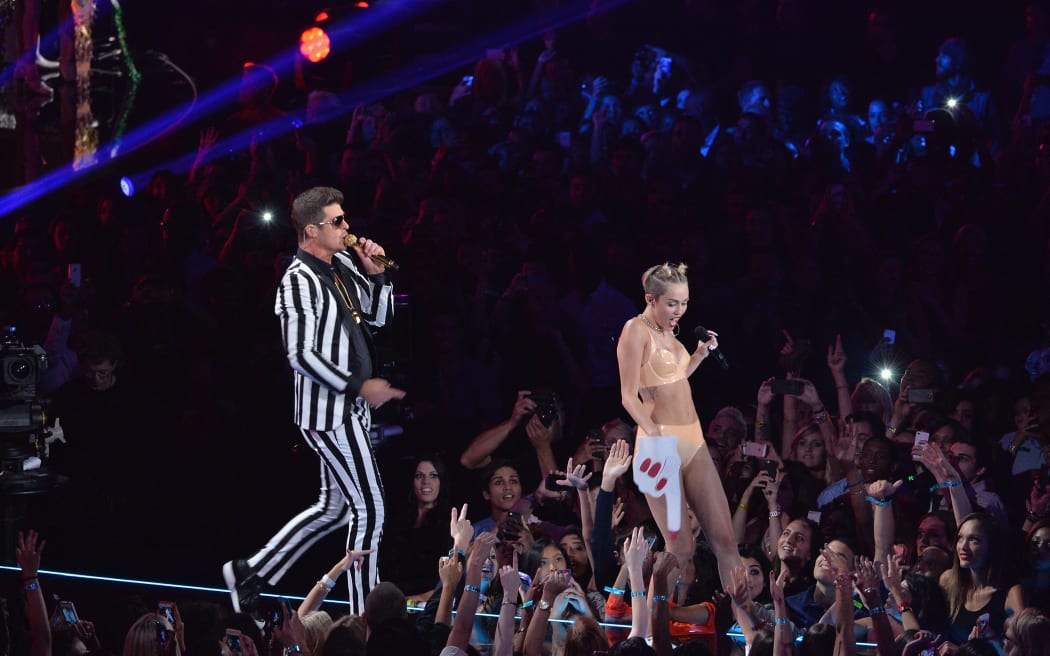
{"type": "Point", "coordinates": [703, 490]}
{"type": "Point", "coordinates": [683, 545]}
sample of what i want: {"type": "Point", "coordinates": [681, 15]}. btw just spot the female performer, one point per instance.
{"type": "Point", "coordinates": [654, 389]}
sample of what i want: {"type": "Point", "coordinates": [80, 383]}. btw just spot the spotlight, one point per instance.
{"type": "Point", "coordinates": [267, 216]}
{"type": "Point", "coordinates": [127, 187]}
{"type": "Point", "coordinates": [886, 374]}
{"type": "Point", "coordinates": [314, 44]}
{"type": "Point", "coordinates": [952, 103]}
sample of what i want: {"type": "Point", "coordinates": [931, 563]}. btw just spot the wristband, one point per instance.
{"type": "Point", "coordinates": [615, 591]}
{"type": "Point", "coordinates": [35, 585]}
{"type": "Point", "coordinates": [1012, 449]}
{"type": "Point", "coordinates": [327, 582]}
{"type": "Point", "coordinates": [742, 505]}
{"type": "Point", "coordinates": [528, 604]}
{"type": "Point", "coordinates": [453, 551]}
{"type": "Point", "coordinates": [904, 608]}
{"type": "Point", "coordinates": [774, 513]}
{"type": "Point", "coordinates": [637, 593]}
{"type": "Point", "coordinates": [294, 649]}
{"type": "Point", "coordinates": [877, 610]}
{"type": "Point", "coordinates": [891, 428]}
{"type": "Point", "coordinates": [471, 588]}
{"type": "Point", "coordinates": [783, 620]}
{"type": "Point", "coordinates": [877, 502]}
{"type": "Point", "coordinates": [509, 603]}
{"type": "Point", "coordinates": [938, 486]}
{"type": "Point", "coordinates": [660, 598]}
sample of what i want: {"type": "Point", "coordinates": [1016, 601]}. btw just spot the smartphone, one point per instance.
{"type": "Point", "coordinates": [553, 484]}
{"type": "Point", "coordinates": [813, 516]}
{"type": "Point", "coordinates": [233, 640]}
{"type": "Point", "coordinates": [786, 387]}
{"type": "Point", "coordinates": [468, 80]}
{"type": "Point", "coordinates": [277, 615]}
{"type": "Point", "coordinates": [755, 449]}
{"type": "Point", "coordinates": [73, 274]}
{"type": "Point", "coordinates": [166, 609]}
{"type": "Point", "coordinates": [899, 550]}
{"type": "Point", "coordinates": [510, 527]}
{"type": "Point", "coordinates": [650, 541]}
{"type": "Point", "coordinates": [564, 139]}
{"type": "Point", "coordinates": [920, 395]}
{"type": "Point", "coordinates": [982, 624]}
{"type": "Point", "coordinates": [921, 438]}
{"type": "Point", "coordinates": [771, 467]}
{"type": "Point", "coordinates": [69, 612]}
{"type": "Point", "coordinates": [890, 336]}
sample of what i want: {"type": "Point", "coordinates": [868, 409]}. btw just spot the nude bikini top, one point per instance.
{"type": "Point", "coordinates": [664, 366]}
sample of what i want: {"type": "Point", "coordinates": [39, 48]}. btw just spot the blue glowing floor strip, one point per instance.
{"type": "Point", "coordinates": [224, 591]}
{"type": "Point", "coordinates": [157, 584]}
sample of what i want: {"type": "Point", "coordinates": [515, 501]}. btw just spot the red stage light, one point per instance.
{"type": "Point", "coordinates": [321, 17]}
{"type": "Point", "coordinates": [362, 5]}
{"type": "Point", "coordinates": [314, 44]}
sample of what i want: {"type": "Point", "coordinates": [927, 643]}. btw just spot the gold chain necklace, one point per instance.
{"type": "Point", "coordinates": [343, 292]}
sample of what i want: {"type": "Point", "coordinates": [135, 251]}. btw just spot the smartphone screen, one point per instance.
{"type": "Point", "coordinates": [890, 336]}
{"type": "Point", "coordinates": [921, 439]}
{"type": "Point", "coordinates": [69, 612]}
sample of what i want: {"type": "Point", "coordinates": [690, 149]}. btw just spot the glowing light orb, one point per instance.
{"type": "Point", "coordinates": [314, 44]}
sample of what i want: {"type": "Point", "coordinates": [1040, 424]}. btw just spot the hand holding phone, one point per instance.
{"type": "Point", "coordinates": [68, 612]}
{"type": "Point", "coordinates": [922, 439]}
{"type": "Point", "coordinates": [754, 449]}
{"type": "Point", "coordinates": [166, 609]}
{"type": "Point", "coordinates": [233, 640]}
{"type": "Point", "coordinates": [785, 387]}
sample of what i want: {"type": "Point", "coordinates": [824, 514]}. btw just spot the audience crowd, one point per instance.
{"type": "Point", "coordinates": [873, 249]}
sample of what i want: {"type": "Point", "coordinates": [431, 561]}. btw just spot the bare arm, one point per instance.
{"type": "Point", "coordinates": [27, 551]}
{"type": "Point", "coordinates": [468, 603]}
{"type": "Point", "coordinates": [629, 353]}
{"type": "Point", "coordinates": [868, 583]}
{"type": "Point", "coordinates": [783, 640]}
{"type": "Point", "coordinates": [663, 568]}
{"type": "Point", "coordinates": [319, 592]}
{"type": "Point", "coordinates": [504, 639]}
{"type": "Point", "coordinates": [479, 452]}
{"type": "Point", "coordinates": [845, 644]}
{"type": "Point", "coordinates": [837, 366]}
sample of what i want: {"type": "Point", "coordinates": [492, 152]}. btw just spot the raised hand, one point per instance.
{"type": "Point", "coordinates": [575, 476]}
{"type": "Point", "coordinates": [27, 552]}
{"type": "Point", "coordinates": [450, 571]}
{"type": "Point", "coordinates": [460, 528]}
{"type": "Point", "coordinates": [617, 514]}
{"type": "Point", "coordinates": [617, 463]}
{"type": "Point", "coordinates": [523, 407]}
{"type": "Point", "coordinates": [635, 549]}
{"type": "Point", "coordinates": [837, 357]}
{"type": "Point", "coordinates": [777, 585]}
{"type": "Point", "coordinates": [837, 563]}
{"type": "Point", "coordinates": [737, 588]}
{"type": "Point", "coordinates": [867, 581]}
{"type": "Point", "coordinates": [509, 579]}
{"type": "Point", "coordinates": [882, 490]}
{"type": "Point", "coordinates": [765, 392]}
{"type": "Point", "coordinates": [483, 543]}
{"type": "Point", "coordinates": [556, 583]}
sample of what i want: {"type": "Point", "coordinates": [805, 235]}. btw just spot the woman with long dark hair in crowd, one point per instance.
{"type": "Point", "coordinates": [413, 544]}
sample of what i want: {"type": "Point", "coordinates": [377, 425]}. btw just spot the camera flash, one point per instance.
{"type": "Point", "coordinates": [267, 216]}
{"type": "Point", "coordinates": [952, 103]}
{"type": "Point", "coordinates": [886, 374]}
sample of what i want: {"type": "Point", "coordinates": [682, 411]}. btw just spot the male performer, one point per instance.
{"type": "Point", "coordinates": [325, 298]}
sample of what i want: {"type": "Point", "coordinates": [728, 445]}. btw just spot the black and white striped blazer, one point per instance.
{"type": "Point", "coordinates": [317, 340]}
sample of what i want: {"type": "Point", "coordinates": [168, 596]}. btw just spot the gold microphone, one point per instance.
{"type": "Point", "coordinates": [351, 241]}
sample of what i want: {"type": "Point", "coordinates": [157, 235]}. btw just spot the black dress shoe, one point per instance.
{"type": "Point", "coordinates": [244, 585]}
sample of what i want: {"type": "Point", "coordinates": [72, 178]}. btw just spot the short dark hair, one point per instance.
{"type": "Point", "coordinates": [384, 603]}
{"type": "Point", "coordinates": [308, 207]}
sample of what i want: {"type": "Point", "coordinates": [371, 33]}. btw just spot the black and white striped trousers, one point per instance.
{"type": "Point", "coordinates": [351, 493]}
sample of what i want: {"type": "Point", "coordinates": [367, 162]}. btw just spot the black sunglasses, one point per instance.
{"type": "Point", "coordinates": [335, 221]}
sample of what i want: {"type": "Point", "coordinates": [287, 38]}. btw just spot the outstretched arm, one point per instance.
{"type": "Point", "coordinates": [27, 551]}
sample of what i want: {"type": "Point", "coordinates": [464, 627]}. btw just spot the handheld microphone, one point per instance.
{"type": "Point", "coordinates": [351, 241]}
{"type": "Point", "coordinates": [702, 335]}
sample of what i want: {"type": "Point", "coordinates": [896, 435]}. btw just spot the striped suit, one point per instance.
{"type": "Point", "coordinates": [331, 357]}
